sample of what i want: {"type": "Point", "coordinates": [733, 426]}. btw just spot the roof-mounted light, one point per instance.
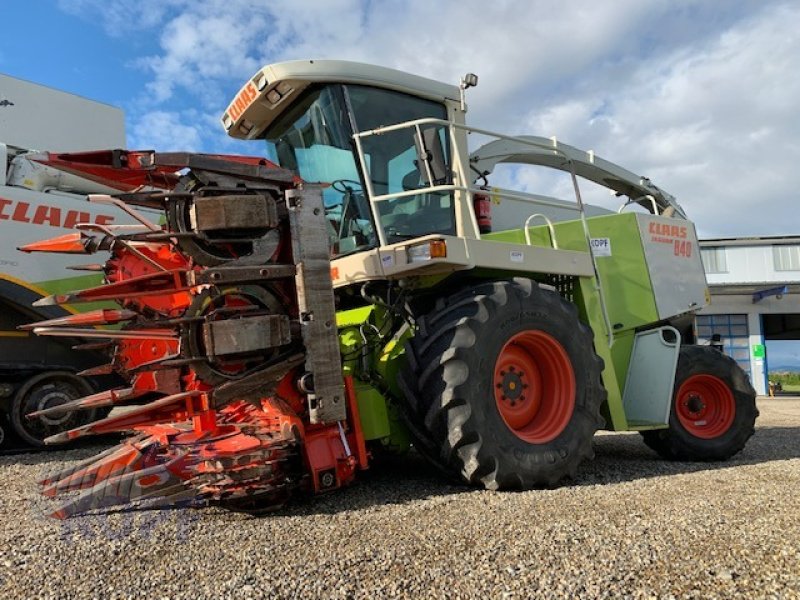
{"type": "Point", "coordinates": [261, 81]}
{"type": "Point", "coordinates": [467, 81]}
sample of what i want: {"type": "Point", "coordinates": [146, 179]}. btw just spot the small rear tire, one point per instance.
{"type": "Point", "coordinates": [713, 409]}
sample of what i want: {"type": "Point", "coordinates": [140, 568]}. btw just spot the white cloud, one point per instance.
{"type": "Point", "coordinates": [121, 17]}
{"type": "Point", "coordinates": [714, 123]}
{"type": "Point", "coordinates": [699, 96]}
{"type": "Point", "coordinates": [166, 131]}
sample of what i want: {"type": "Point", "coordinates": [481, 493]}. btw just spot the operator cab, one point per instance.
{"type": "Point", "coordinates": [312, 134]}
{"type": "Point", "coordinates": [314, 139]}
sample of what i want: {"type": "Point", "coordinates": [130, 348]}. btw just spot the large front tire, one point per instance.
{"type": "Point", "coordinates": [503, 381]}
{"type": "Point", "coordinates": [713, 409]}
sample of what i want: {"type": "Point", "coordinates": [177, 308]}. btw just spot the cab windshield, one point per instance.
{"type": "Point", "coordinates": [314, 139]}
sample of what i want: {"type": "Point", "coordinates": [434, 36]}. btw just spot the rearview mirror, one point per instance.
{"type": "Point", "coordinates": [431, 162]}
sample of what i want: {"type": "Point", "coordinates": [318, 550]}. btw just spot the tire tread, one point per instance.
{"type": "Point", "coordinates": [437, 382]}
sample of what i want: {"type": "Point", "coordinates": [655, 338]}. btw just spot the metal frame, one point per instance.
{"type": "Point", "coordinates": [315, 300]}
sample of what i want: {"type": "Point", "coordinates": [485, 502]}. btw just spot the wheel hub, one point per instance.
{"type": "Point", "coordinates": [695, 404]}
{"type": "Point", "coordinates": [512, 386]}
{"type": "Point", "coordinates": [534, 386]}
{"type": "Point", "coordinates": [50, 400]}
{"type": "Point", "coordinates": [705, 406]}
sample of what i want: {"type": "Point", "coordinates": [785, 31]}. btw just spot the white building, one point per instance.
{"type": "Point", "coordinates": [755, 297]}
{"type": "Point", "coordinates": [36, 117]}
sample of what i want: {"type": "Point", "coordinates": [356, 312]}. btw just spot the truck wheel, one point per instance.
{"type": "Point", "coordinates": [506, 384]}
{"type": "Point", "coordinates": [45, 390]}
{"type": "Point", "coordinates": [713, 408]}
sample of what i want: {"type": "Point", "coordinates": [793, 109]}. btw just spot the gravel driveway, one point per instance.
{"type": "Point", "coordinates": [632, 525]}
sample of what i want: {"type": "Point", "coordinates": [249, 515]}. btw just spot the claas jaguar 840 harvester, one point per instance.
{"type": "Point", "coordinates": [295, 317]}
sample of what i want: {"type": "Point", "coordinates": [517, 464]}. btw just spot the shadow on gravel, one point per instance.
{"type": "Point", "coordinates": [402, 480]}
{"type": "Point", "coordinates": [624, 457]}
{"type": "Point", "coordinates": [392, 481]}
{"type": "Point", "coordinates": [618, 458]}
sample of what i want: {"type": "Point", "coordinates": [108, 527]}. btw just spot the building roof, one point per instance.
{"type": "Point", "coordinates": [768, 240]}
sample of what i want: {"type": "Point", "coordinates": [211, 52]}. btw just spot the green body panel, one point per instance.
{"type": "Point", "coordinates": [373, 412]}
{"type": "Point", "coordinates": [349, 344]}
{"type": "Point", "coordinates": [375, 374]}
{"type": "Point", "coordinates": [589, 308]}
{"type": "Point", "coordinates": [353, 317]}
{"type": "Point", "coordinates": [624, 276]}
{"type": "Point", "coordinates": [399, 439]}
{"type": "Point", "coordinates": [349, 322]}
{"type": "Point", "coordinates": [621, 354]}
{"type": "Point", "coordinates": [391, 358]}
{"type": "Point", "coordinates": [70, 284]}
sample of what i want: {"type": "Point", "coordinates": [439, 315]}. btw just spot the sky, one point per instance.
{"type": "Point", "coordinates": [701, 96]}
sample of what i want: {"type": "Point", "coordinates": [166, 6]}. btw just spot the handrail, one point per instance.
{"type": "Point", "coordinates": [552, 146]}
{"type": "Point", "coordinates": [553, 242]}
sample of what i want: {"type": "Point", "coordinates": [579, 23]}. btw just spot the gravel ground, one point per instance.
{"type": "Point", "coordinates": [631, 525]}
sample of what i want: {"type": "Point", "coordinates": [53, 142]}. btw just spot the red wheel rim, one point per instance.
{"type": "Point", "coordinates": [705, 406]}
{"type": "Point", "coordinates": [534, 386]}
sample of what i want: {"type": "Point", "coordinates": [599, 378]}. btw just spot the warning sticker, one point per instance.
{"type": "Point", "coordinates": [517, 256]}
{"type": "Point", "coordinates": [600, 246]}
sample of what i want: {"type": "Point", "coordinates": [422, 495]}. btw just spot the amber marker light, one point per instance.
{"type": "Point", "coordinates": [427, 251]}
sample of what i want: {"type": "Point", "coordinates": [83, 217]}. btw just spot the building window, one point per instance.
{"type": "Point", "coordinates": [714, 259]}
{"type": "Point", "coordinates": [786, 258]}
{"type": "Point", "coordinates": [733, 335]}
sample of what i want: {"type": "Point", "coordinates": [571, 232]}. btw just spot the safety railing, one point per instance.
{"type": "Point", "coordinates": [462, 177]}
{"type": "Point", "coordinates": [550, 227]}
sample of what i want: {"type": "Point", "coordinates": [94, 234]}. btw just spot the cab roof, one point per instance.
{"type": "Point", "coordinates": [270, 90]}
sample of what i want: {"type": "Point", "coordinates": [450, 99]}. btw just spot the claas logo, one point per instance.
{"type": "Point", "coordinates": [242, 101]}
{"type": "Point", "coordinates": [675, 231]}
{"type": "Point", "coordinates": [24, 212]}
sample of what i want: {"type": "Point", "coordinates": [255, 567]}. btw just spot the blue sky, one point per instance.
{"type": "Point", "coordinates": [46, 45]}
{"type": "Point", "coordinates": [699, 95]}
